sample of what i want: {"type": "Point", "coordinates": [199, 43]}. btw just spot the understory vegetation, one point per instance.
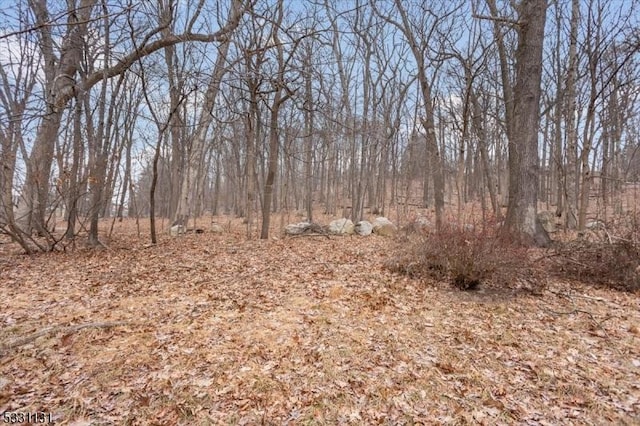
{"type": "Point", "coordinates": [468, 257]}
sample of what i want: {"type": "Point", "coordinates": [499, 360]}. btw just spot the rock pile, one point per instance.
{"type": "Point", "coordinates": [381, 226]}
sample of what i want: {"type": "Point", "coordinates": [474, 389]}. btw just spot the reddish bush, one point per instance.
{"type": "Point", "coordinates": [466, 258]}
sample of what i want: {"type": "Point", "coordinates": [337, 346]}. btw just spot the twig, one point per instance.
{"type": "Point", "coordinates": [576, 310]}
{"type": "Point", "coordinates": [575, 262]}
{"type": "Point", "coordinates": [584, 296]}
{"type": "Point", "coordinates": [20, 341]}
{"type": "Point", "coordinates": [498, 19]}
{"type": "Point", "coordinates": [103, 245]}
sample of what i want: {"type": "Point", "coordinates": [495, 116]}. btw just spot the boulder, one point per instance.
{"type": "Point", "coordinates": [341, 226]}
{"type": "Point", "coordinates": [296, 228]}
{"type": "Point", "coordinates": [595, 225]}
{"type": "Point", "coordinates": [216, 228]}
{"type": "Point", "coordinates": [547, 220]}
{"type": "Point", "coordinates": [383, 226]}
{"type": "Point", "coordinates": [177, 230]}
{"type": "Point", "coordinates": [364, 228]}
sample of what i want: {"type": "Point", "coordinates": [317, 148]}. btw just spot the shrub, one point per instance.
{"type": "Point", "coordinates": [612, 263]}
{"type": "Point", "coordinates": [466, 258]}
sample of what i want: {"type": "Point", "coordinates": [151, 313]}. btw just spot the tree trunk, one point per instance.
{"type": "Point", "coordinates": [571, 191]}
{"type": "Point", "coordinates": [60, 85]}
{"type": "Point", "coordinates": [521, 218]}
{"type": "Point", "coordinates": [308, 124]}
{"type": "Point", "coordinates": [484, 155]}
{"type": "Point", "coordinates": [274, 137]}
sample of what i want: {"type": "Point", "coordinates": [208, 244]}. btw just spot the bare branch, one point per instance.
{"type": "Point", "coordinates": [499, 19]}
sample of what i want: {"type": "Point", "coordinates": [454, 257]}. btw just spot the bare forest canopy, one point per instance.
{"type": "Point", "coordinates": [180, 109]}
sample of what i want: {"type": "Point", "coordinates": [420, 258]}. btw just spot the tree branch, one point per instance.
{"type": "Point", "coordinates": [499, 19]}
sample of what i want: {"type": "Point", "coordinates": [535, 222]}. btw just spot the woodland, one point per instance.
{"type": "Point", "coordinates": [320, 212]}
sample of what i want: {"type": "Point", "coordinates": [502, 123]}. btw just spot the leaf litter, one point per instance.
{"type": "Point", "coordinates": [214, 329]}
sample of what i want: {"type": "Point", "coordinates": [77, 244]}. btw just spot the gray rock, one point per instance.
{"type": "Point", "coordinates": [595, 225]}
{"type": "Point", "coordinates": [364, 228]}
{"type": "Point", "coordinates": [297, 228]}
{"type": "Point", "coordinates": [341, 226]}
{"type": "Point", "coordinates": [383, 226]}
{"type": "Point", "coordinates": [216, 228]}
{"type": "Point", "coordinates": [547, 220]}
{"type": "Point", "coordinates": [177, 230]}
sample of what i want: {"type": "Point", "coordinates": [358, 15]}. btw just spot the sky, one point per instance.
{"type": "Point", "coordinates": [8, 15]}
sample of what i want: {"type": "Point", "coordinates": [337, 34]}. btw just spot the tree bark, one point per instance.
{"type": "Point", "coordinates": [308, 124]}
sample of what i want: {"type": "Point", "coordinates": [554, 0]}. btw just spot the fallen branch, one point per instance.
{"type": "Point", "coordinates": [20, 341]}
{"type": "Point", "coordinates": [584, 296]}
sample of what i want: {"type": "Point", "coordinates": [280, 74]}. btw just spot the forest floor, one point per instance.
{"type": "Point", "coordinates": [214, 329]}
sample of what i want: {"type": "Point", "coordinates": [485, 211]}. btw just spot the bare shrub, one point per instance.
{"type": "Point", "coordinates": [613, 262]}
{"type": "Point", "coordinates": [466, 258]}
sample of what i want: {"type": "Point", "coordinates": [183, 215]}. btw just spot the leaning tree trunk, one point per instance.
{"type": "Point", "coordinates": [60, 77]}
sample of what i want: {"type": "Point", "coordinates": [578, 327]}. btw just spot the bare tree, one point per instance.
{"type": "Point", "coordinates": [419, 35]}
{"type": "Point", "coordinates": [17, 84]}
{"type": "Point", "coordinates": [272, 110]}
{"type": "Point", "coordinates": [196, 154]}
{"type": "Point", "coordinates": [281, 93]}
{"type": "Point", "coordinates": [62, 84]}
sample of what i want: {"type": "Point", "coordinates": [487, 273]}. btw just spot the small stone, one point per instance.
{"type": "Point", "coordinates": [547, 220]}
{"type": "Point", "coordinates": [595, 225]}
